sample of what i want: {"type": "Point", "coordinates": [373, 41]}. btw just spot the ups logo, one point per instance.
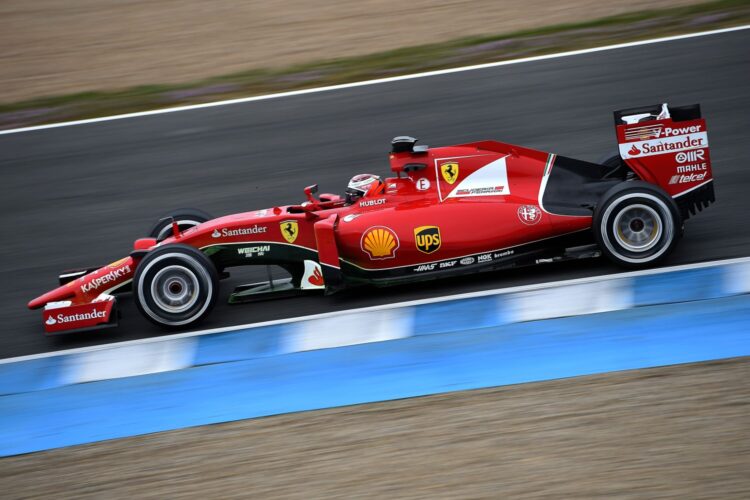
{"type": "Point", "coordinates": [427, 238]}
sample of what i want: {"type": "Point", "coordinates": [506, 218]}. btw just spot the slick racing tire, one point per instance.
{"type": "Point", "coordinates": [637, 224]}
{"type": "Point", "coordinates": [175, 286]}
{"type": "Point", "coordinates": [185, 218]}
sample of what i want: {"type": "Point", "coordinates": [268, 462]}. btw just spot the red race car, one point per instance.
{"type": "Point", "coordinates": [448, 210]}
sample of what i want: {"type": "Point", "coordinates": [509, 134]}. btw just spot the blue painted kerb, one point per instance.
{"type": "Point", "coordinates": [420, 365]}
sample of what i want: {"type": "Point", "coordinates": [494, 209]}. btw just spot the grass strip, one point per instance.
{"type": "Point", "coordinates": [403, 61]}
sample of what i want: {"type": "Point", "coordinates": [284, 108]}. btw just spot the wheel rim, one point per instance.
{"type": "Point", "coordinates": [174, 289]}
{"type": "Point", "coordinates": [183, 225]}
{"type": "Point", "coordinates": [638, 228]}
{"type": "Point", "coordinates": [608, 231]}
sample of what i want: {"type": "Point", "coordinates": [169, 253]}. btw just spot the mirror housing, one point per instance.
{"type": "Point", "coordinates": [310, 191]}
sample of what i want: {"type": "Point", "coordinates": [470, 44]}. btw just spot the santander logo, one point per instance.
{"type": "Point", "coordinates": [634, 150]}
{"type": "Point", "coordinates": [316, 278]}
{"type": "Point", "coordinates": [96, 314]}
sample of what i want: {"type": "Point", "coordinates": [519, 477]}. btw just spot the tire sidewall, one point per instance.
{"type": "Point", "coordinates": [188, 258]}
{"type": "Point", "coordinates": [185, 218]}
{"type": "Point", "coordinates": [626, 195]}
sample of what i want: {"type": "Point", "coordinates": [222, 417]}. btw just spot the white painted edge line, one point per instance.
{"type": "Point", "coordinates": [396, 305]}
{"type": "Point", "coordinates": [376, 81]}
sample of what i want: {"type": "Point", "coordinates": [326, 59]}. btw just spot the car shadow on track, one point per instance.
{"type": "Point", "coordinates": [133, 326]}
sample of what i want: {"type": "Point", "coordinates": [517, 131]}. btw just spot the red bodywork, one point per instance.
{"type": "Point", "coordinates": [674, 155]}
{"type": "Point", "coordinates": [448, 210]}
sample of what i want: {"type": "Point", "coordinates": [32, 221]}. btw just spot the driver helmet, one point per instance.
{"type": "Point", "coordinates": [362, 186]}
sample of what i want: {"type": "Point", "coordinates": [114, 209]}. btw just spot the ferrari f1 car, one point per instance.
{"type": "Point", "coordinates": [446, 211]}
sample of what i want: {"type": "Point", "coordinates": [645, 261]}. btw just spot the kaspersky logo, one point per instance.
{"type": "Point", "coordinates": [111, 276]}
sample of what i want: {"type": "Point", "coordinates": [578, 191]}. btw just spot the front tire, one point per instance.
{"type": "Point", "coordinates": [185, 219]}
{"type": "Point", "coordinates": [175, 286]}
{"type": "Point", "coordinates": [637, 224]}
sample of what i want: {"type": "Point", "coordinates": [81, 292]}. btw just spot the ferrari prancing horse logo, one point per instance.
{"type": "Point", "coordinates": [289, 230]}
{"type": "Point", "coordinates": [449, 172]}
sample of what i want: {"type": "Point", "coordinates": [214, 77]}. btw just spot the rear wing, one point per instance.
{"type": "Point", "coordinates": [668, 146]}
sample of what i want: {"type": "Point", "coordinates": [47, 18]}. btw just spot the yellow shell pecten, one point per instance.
{"type": "Point", "coordinates": [379, 242]}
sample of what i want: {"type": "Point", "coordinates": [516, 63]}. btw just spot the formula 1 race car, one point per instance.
{"type": "Point", "coordinates": [448, 211]}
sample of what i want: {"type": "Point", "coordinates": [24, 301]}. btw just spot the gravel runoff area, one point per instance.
{"type": "Point", "coordinates": [673, 432]}
{"type": "Point", "coordinates": [54, 48]}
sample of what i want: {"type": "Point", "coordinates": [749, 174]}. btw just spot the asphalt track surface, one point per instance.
{"type": "Point", "coordinates": [78, 196]}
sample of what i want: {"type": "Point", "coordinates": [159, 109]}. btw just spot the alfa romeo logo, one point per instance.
{"type": "Point", "coordinates": [529, 214]}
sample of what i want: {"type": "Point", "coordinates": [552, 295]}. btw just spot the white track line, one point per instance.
{"type": "Point", "coordinates": [373, 82]}
{"type": "Point", "coordinates": [397, 305]}
{"type": "Point", "coordinates": [359, 84]}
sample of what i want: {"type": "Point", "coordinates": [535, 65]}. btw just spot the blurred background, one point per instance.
{"type": "Point", "coordinates": [87, 57]}
{"type": "Point", "coordinates": [77, 196]}
{"type": "Point", "coordinates": [88, 45]}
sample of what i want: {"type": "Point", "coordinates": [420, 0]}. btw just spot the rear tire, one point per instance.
{"type": "Point", "coordinates": [637, 224]}
{"type": "Point", "coordinates": [185, 218]}
{"type": "Point", "coordinates": [175, 286]}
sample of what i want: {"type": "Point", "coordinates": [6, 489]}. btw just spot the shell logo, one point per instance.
{"type": "Point", "coordinates": [379, 243]}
